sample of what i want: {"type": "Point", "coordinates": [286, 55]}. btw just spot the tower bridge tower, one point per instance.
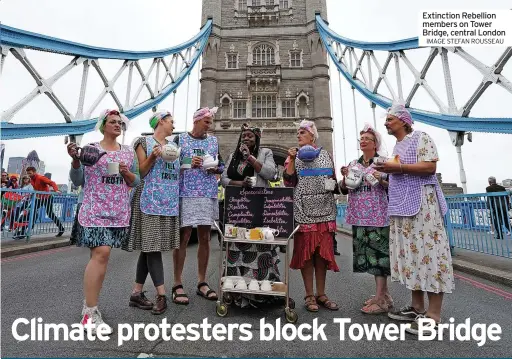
{"type": "Point", "coordinates": [265, 65]}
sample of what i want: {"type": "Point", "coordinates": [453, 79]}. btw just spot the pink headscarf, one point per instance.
{"type": "Point", "coordinates": [402, 113]}
{"type": "Point", "coordinates": [204, 112]}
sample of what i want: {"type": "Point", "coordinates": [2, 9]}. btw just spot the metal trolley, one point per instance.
{"type": "Point", "coordinates": [280, 289]}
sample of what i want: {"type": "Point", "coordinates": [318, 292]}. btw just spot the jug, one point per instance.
{"type": "Point", "coordinates": [354, 177]}
{"type": "Point", "coordinates": [170, 153]}
{"type": "Point", "coordinates": [308, 153]}
{"type": "Point", "coordinates": [89, 155]}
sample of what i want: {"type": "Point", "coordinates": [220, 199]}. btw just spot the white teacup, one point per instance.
{"type": "Point", "coordinates": [241, 284]}
{"type": "Point", "coordinates": [266, 286]}
{"type": "Point", "coordinates": [371, 178]}
{"type": "Point", "coordinates": [330, 184]}
{"type": "Point", "coordinates": [241, 233]}
{"type": "Point", "coordinates": [113, 168]}
{"type": "Point", "coordinates": [254, 285]}
{"type": "Point", "coordinates": [228, 284]}
{"type": "Point", "coordinates": [252, 181]}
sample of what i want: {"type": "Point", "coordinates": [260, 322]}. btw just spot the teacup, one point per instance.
{"type": "Point", "coordinates": [241, 233]}
{"type": "Point", "coordinates": [230, 231]}
{"type": "Point", "coordinates": [329, 184]}
{"type": "Point", "coordinates": [228, 284]}
{"type": "Point", "coordinates": [254, 285]}
{"type": "Point", "coordinates": [266, 286]}
{"type": "Point", "coordinates": [254, 234]}
{"type": "Point", "coordinates": [371, 178]}
{"type": "Point", "coordinates": [241, 284]}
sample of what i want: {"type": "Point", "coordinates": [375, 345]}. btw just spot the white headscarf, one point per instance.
{"type": "Point", "coordinates": [310, 127]}
{"type": "Point", "coordinates": [103, 116]}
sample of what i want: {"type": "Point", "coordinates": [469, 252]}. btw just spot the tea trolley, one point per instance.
{"type": "Point", "coordinates": [280, 289]}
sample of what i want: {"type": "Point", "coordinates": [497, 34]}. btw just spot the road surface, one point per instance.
{"type": "Point", "coordinates": [49, 285]}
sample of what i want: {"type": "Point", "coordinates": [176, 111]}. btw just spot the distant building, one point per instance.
{"type": "Point", "coordinates": [448, 188]}
{"type": "Point", "coordinates": [15, 165]}
{"type": "Point", "coordinates": [42, 168]}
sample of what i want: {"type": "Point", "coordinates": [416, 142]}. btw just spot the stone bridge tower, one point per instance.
{"type": "Point", "coordinates": [265, 64]}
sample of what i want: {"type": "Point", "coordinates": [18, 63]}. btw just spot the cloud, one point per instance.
{"type": "Point", "coordinates": [156, 24]}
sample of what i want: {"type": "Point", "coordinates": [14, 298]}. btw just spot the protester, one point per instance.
{"type": "Point", "coordinates": [13, 183]}
{"type": "Point", "coordinates": [419, 248]}
{"type": "Point", "coordinates": [367, 213]}
{"type": "Point", "coordinates": [104, 216]}
{"type": "Point", "coordinates": [25, 183]}
{"type": "Point", "coordinates": [155, 226]}
{"type": "Point", "coordinates": [198, 200]}
{"type": "Point", "coordinates": [499, 208]}
{"type": "Point", "coordinates": [315, 211]}
{"type": "Point", "coordinates": [253, 261]}
{"type": "Point", "coordinates": [5, 179]}
{"type": "Point", "coordinates": [40, 183]}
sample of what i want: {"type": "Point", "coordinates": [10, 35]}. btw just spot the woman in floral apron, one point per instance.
{"type": "Point", "coordinates": [367, 212]}
{"type": "Point", "coordinates": [155, 223]}
{"type": "Point", "coordinates": [104, 216]}
{"type": "Point", "coordinates": [315, 211]}
{"type": "Point", "coordinates": [419, 249]}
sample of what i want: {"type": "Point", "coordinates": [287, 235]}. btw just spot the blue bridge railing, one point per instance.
{"type": "Point", "coordinates": [27, 213]}
{"type": "Point", "coordinates": [481, 222]}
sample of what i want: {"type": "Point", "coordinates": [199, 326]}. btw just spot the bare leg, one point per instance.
{"type": "Point", "coordinates": [435, 303]}
{"type": "Point", "coordinates": [179, 256]}
{"type": "Point", "coordinates": [307, 278]}
{"type": "Point", "coordinates": [418, 300]}
{"type": "Point", "coordinates": [203, 256]}
{"type": "Point", "coordinates": [320, 275]}
{"type": "Point", "coordinates": [95, 274]}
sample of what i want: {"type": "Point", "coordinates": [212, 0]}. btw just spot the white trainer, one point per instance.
{"type": "Point", "coordinates": [94, 315]}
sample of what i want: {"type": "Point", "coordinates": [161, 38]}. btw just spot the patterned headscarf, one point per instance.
{"type": "Point", "coordinates": [100, 125]}
{"type": "Point", "coordinates": [310, 127]}
{"type": "Point", "coordinates": [157, 116]}
{"type": "Point", "coordinates": [402, 113]}
{"type": "Point", "coordinates": [238, 168]}
{"type": "Point", "coordinates": [204, 112]}
{"type": "Point", "coordinates": [378, 139]}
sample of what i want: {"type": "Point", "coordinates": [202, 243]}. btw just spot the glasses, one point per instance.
{"type": "Point", "coordinates": [366, 139]}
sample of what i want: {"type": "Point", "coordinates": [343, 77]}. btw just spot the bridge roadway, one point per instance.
{"type": "Point", "coordinates": [49, 285]}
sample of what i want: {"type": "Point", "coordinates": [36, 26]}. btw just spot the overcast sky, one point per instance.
{"type": "Point", "coordinates": [156, 24]}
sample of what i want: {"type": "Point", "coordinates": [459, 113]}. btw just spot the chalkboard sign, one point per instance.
{"type": "Point", "coordinates": [260, 207]}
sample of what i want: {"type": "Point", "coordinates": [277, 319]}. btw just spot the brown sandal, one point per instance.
{"type": "Point", "coordinates": [377, 308]}
{"type": "Point", "coordinates": [327, 303]}
{"type": "Point", "coordinates": [310, 303]}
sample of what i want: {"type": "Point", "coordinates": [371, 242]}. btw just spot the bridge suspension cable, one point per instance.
{"type": "Point", "coordinates": [170, 66]}
{"type": "Point", "coordinates": [448, 116]}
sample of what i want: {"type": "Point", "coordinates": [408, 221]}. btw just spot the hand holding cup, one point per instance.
{"type": "Point", "coordinates": [197, 161]}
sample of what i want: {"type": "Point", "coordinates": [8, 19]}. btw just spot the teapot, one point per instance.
{"type": "Point", "coordinates": [354, 177]}
{"type": "Point", "coordinates": [170, 153]}
{"type": "Point", "coordinates": [89, 155]}
{"type": "Point", "coordinates": [308, 153]}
